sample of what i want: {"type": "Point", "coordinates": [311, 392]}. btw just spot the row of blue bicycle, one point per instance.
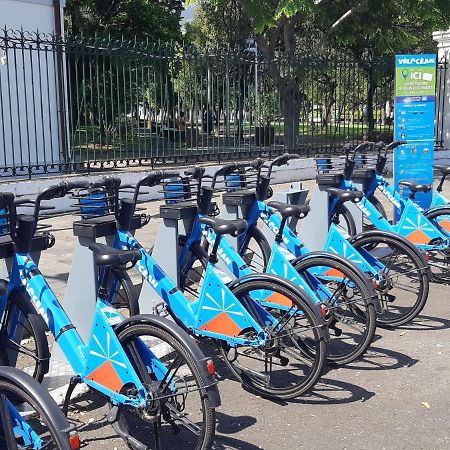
{"type": "Point", "coordinates": [276, 311]}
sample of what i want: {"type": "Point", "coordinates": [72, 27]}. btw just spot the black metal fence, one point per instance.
{"type": "Point", "coordinates": [83, 104]}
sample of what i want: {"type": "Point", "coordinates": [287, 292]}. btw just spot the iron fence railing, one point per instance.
{"type": "Point", "coordinates": [91, 103]}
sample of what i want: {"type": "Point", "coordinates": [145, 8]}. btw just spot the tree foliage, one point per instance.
{"type": "Point", "coordinates": [152, 19]}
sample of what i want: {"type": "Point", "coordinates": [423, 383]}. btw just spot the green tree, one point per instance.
{"type": "Point", "coordinates": [287, 29]}
{"type": "Point", "coordinates": [152, 19]}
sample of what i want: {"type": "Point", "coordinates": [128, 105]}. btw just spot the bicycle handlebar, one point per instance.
{"type": "Point", "coordinates": [281, 161]}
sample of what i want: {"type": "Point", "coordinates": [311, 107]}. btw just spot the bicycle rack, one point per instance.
{"type": "Point", "coordinates": [176, 220]}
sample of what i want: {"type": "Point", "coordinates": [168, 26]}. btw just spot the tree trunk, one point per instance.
{"type": "Point", "coordinates": [370, 105]}
{"type": "Point", "coordinates": [290, 101]}
{"type": "Point", "coordinates": [329, 103]}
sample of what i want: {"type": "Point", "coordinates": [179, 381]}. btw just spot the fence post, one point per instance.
{"type": "Point", "coordinates": [443, 42]}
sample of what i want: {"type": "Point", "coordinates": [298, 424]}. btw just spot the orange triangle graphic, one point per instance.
{"type": "Point", "coordinates": [418, 237]}
{"type": "Point", "coordinates": [334, 273]}
{"type": "Point", "coordinates": [279, 299]}
{"type": "Point", "coordinates": [107, 376]}
{"type": "Point", "coordinates": [445, 224]}
{"type": "Point", "coordinates": [222, 324]}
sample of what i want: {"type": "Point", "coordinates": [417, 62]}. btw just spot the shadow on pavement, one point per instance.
{"type": "Point", "coordinates": [425, 323]}
{"type": "Point", "coordinates": [335, 392]}
{"type": "Point", "coordinates": [377, 358]}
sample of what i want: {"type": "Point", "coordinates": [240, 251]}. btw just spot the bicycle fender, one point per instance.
{"type": "Point", "coordinates": [191, 346]}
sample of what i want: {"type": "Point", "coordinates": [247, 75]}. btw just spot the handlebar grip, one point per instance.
{"type": "Point", "coordinates": [79, 184]}
{"type": "Point", "coordinates": [107, 183]}
{"type": "Point", "coordinates": [396, 144]}
{"type": "Point", "coordinates": [195, 172]}
{"type": "Point", "coordinates": [226, 169]}
{"type": "Point", "coordinates": [51, 192]}
{"type": "Point", "coordinates": [151, 179]}
{"type": "Point", "coordinates": [257, 163]}
{"type": "Point", "coordinates": [170, 174]}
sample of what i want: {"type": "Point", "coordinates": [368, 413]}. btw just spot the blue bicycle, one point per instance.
{"type": "Point", "coordinates": [276, 353]}
{"type": "Point", "coordinates": [173, 395]}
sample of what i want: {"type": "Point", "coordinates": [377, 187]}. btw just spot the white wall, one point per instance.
{"type": "Point", "coordinates": [29, 129]}
{"type": "Point", "coordinates": [443, 42]}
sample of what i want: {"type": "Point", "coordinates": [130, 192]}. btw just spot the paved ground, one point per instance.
{"type": "Point", "coordinates": [397, 397]}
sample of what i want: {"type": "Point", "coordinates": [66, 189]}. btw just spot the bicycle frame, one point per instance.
{"type": "Point", "coordinates": [101, 362]}
{"type": "Point", "coordinates": [220, 315]}
{"type": "Point", "coordinates": [413, 225]}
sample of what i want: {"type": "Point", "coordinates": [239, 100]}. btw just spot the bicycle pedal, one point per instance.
{"type": "Point", "coordinates": [232, 354]}
{"type": "Point", "coordinates": [283, 360]}
{"type": "Point", "coordinates": [160, 309]}
{"type": "Point", "coordinates": [389, 298]}
{"type": "Point", "coordinates": [337, 331]}
{"type": "Point", "coordinates": [112, 415]}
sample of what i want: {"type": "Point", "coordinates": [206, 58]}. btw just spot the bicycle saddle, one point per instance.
{"type": "Point", "coordinates": [287, 210]}
{"type": "Point", "coordinates": [346, 196]}
{"type": "Point", "coordinates": [220, 226]}
{"type": "Point", "coordinates": [444, 169]}
{"type": "Point", "coordinates": [415, 187]}
{"type": "Point", "coordinates": [104, 255]}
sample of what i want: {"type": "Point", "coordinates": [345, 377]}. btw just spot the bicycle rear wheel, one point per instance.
{"type": "Point", "coordinates": [29, 417]}
{"type": "Point", "coordinates": [403, 289]}
{"type": "Point", "coordinates": [347, 304]}
{"type": "Point", "coordinates": [292, 360]}
{"type": "Point", "coordinates": [183, 418]}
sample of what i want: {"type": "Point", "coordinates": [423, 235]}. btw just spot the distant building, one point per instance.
{"type": "Point", "coordinates": [32, 98]}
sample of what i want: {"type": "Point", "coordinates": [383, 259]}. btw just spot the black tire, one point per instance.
{"type": "Point", "coordinates": [125, 297]}
{"type": "Point", "coordinates": [45, 418]}
{"type": "Point", "coordinates": [193, 271]}
{"type": "Point", "coordinates": [255, 250]}
{"type": "Point", "coordinates": [298, 355]}
{"type": "Point", "coordinates": [135, 424]}
{"type": "Point", "coordinates": [346, 222]}
{"type": "Point", "coordinates": [439, 261]}
{"type": "Point", "coordinates": [349, 310]}
{"type": "Point", "coordinates": [406, 269]}
{"type": "Point", "coordinates": [367, 224]}
{"type": "Point", "coordinates": [29, 351]}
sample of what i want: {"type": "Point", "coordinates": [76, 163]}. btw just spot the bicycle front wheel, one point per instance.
{"type": "Point", "coordinates": [180, 414]}
{"type": "Point", "coordinates": [292, 360]}
{"type": "Point", "coordinates": [23, 342]}
{"type": "Point", "coordinates": [41, 424]}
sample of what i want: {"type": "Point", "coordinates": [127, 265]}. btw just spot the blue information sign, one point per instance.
{"type": "Point", "coordinates": [415, 102]}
